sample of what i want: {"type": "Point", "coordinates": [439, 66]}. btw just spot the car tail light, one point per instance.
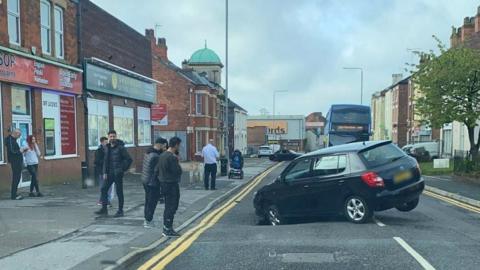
{"type": "Point", "coordinates": [372, 179]}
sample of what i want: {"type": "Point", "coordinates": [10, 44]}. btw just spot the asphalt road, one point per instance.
{"type": "Point", "coordinates": [436, 235]}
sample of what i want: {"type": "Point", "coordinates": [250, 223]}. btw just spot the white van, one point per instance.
{"type": "Point", "coordinates": [431, 147]}
{"type": "Point", "coordinates": [265, 151]}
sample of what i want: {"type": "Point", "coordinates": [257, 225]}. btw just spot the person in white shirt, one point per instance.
{"type": "Point", "coordinates": [31, 153]}
{"type": "Point", "coordinates": [210, 156]}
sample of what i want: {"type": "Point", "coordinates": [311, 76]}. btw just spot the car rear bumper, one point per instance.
{"type": "Point", "coordinates": [388, 199]}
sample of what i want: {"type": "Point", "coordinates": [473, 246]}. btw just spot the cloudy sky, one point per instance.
{"type": "Point", "coordinates": [299, 46]}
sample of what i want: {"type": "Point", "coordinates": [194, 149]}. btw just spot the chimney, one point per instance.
{"type": "Point", "coordinates": [162, 48]}
{"type": "Point", "coordinates": [150, 34]}
{"type": "Point", "coordinates": [454, 39]}
{"type": "Point", "coordinates": [185, 64]}
{"type": "Point", "coordinates": [468, 28]}
{"type": "Point", "coordinates": [396, 78]}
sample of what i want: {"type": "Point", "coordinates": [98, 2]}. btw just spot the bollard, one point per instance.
{"type": "Point", "coordinates": [84, 174]}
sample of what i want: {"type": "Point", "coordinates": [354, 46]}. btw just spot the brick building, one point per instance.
{"type": "Point", "coordinates": [40, 86]}
{"type": "Point", "coordinates": [118, 71]}
{"type": "Point", "coordinates": [191, 99]}
{"type": "Point", "coordinates": [400, 111]}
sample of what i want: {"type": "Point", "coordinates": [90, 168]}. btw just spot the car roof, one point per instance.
{"type": "Point", "coordinates": [349, 147]}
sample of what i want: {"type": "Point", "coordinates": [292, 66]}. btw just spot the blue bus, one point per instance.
{"type": "Point", "coordinates": [346, 124]}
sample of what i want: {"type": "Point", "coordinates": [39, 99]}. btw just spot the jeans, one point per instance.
{"type": "Point", "coordinates": [16, 176]}
{"type": "Point", "coordinates": [33, 170]}
{"type": "Point", "coordinates": [171, 191]}
{"type": "Point", "coordinates": [210, 170]}
{"type": "Point", "coordinates": [118, 180]}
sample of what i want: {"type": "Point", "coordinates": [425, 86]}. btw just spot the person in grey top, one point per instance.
{"type": "Point", "coordinates": [169, 176]}
{"type": "Point", "coordinates": [31, 153]}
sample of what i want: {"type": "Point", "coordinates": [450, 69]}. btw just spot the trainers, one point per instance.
{"type": "Point", "coordinates": [170, 232]}
{"type": "Point", "coordinates": [110, 204]}
{"type": "Point", "coordinates": [118, 214]}
{"type": "Point", "coordinates": [102, 212]}
{"type": "Point", "coordinates": [18, 198]}
{"type": "Point", "coordinates": [31, 194]}
{"type": "Point", "coordinates": [39, 194]}
{"type": "Point", "coordinates": [149, 224]}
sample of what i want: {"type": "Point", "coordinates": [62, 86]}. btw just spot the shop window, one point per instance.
{"type": "Point", "coordinates": [59, 125]}
{"type": "Point", "coordinates": [97, 121]}
{"type": "Point", "coordinates": [144, 126]}
{"type": "Point", "coordinates": [45, 26]}
{"type": "Point", "coordinates": [20, 101]}
{"type": "Point", "coordinates": [14, 21]}
{"type": "Point", "coordinates": [123, 124]}
{"type": "Point", "coordinates": [1, 126]}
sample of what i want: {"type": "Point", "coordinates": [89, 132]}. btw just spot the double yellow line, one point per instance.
{"type": "Point", "coordinates": [180, 245]}
{"type": "Point", "coordinates": [452, 201]}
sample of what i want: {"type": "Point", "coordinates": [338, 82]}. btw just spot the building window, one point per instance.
{"type": "Point", "coordinates": [14, 21]}
{"type": "Point", "coordinates": [45, 26]}
{"type": "Point", "coordinates": [59, 124]}
{"type": "Point", "coordinates": [123, 124]}
{"type": "Point", "coordinates": [198, 104]}
{"type": "Point", "coordinates": [200, 140]}
{"type": "Point", "coordinates": [20, 101]}
{"type": "Point", "coordinates": [144, 126]}
{"type": "Point", "coordinates": [58, 16]}
{"type": "Point", "coordinates": [97, 121]}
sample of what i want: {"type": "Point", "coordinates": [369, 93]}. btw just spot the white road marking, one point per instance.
{"type": "Point", "coordinates": [379, 223]}
{"type": "Point", "coordinates": [424, 263]}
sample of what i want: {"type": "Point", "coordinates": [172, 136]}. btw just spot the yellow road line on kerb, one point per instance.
{"type": "Point", "coordinates": [181, 244]}
{"type": "Point", "coordinates": [452, 201]}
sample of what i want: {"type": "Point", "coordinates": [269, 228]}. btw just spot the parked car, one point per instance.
{"type": "Point", "coordinates": [431, 147]}
{"type": "Point", "coordinates": [283, 155]}
{"type": "Point", "coordinates": [420, 154]}
{"type": "Point", "coordinates": [265, 151]}
{"type": "Point", "coordinates": [353, 179]}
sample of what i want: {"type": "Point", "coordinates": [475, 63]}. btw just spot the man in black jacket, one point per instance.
{"type": "Point", "coordinates": [169, 175]}
{"type": "Point", "coordinates": [117, 161]}
{"type": "Point", "coordinates": [15, 158]}
{"type": "Point", "coordinates": [98, 162]}
{"type": "Point", "coordinates": [150, 180]}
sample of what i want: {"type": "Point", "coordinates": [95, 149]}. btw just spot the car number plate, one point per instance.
{"type": "Point", "coordinates": [402, 176]}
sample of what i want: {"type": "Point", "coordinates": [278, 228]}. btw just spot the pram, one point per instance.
{"type": "Point", "coordinates": [236, 165]}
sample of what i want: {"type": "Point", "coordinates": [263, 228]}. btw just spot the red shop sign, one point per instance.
{"type": "Point", "coordinates": [67, 119]}
{"type": "Point", "coordinates": [159, 115]}
{"type": "Point", "coordinates": [18, 69]}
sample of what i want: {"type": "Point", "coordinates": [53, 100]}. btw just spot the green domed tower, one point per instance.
{"type": "Point", "coordinates": [206, 61]}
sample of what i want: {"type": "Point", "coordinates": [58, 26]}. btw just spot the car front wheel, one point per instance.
{"type": "Point", "coordinates": [408, 206]}
{"type": "Point", "coordinates": [273, 216]}
{"type": "Point", "coordinates": [357, 210]}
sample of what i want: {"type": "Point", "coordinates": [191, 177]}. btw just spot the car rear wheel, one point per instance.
{"type": "Point", "coordinates": [273, 216]}
{"type": "Point", "coordinates": [408, 206]}
{"type": "Point", "coordinates": [357, 209]}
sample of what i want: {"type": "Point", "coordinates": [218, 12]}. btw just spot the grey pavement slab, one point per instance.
{"type": "Point", "coordinates": [455, 185]}
{"type": "Point", "coordinates": [63, 223]}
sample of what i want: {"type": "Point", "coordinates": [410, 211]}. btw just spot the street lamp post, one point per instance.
{"type": "Point", "coordinates": [227, 154]}
{"type": "Point", "coordinates": [273, 115]}
{"type": "Point", "coordinates": [361, 81]}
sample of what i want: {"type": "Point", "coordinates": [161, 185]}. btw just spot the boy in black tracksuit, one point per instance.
{"type": "Point", "coordinates": [169, 175]}
{"type": "Point", "coordinates": [150, 180]}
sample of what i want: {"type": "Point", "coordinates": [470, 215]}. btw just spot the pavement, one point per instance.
{"type": "Point", "coordinates": [435, 235]}
{"type": "Point", "coordinates": [455, 187]}
{"type": "Point", "coordinates": [60, 230]}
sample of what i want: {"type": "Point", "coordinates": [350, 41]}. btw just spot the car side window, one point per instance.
{"type": "Point", "coordinates": [301, 169]}
{"type": "Point", "coordinates": [329, 165]}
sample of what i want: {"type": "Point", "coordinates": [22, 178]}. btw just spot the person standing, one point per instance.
{"type": "Point", "coordinates": [116, 163]}
{"type": "Point", "coordinates": [169, 176]}
{"type": "Point", "coordinates": [99, 163]}
{"type": "Point", "coordinates": [31, 153]}
{"type": "Point", "coordinates": [210, 156]}
{"type": "Point", "coordinates": [150, 180]}
{"type": "Point", "coordinates": [15, 158]}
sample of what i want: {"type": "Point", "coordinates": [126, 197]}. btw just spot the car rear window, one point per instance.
{"type": "Point", "coordinates": [381, 155]}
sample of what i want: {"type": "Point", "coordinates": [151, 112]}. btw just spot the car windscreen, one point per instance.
{"type": "Point", "coordinates": [265, 148]}
{"type": "Point", "coordinates": [381, 155]}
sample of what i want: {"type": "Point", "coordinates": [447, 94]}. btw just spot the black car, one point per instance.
{"type": "Point", "coordinates": [284, 155]}
{"type": "Point", "coordinates": [353, 179]}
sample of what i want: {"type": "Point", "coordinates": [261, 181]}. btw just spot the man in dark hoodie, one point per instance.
{"type": "Point", "coordinates": [150, 180]}
{"type": "Point", "coordinates": [117, 161]}
{"type": "Point", "coordinates": [15, 158]}
{"type": "Point", "coordinates": [169, 175]}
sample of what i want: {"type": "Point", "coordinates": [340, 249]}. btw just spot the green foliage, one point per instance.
{"type": "Point", "coordinates": [449, 86]}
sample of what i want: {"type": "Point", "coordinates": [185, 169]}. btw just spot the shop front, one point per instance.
{"type": "Point", "coordinates": [39, 97]}
{"type": "Point", "coordinates": [119, 99]}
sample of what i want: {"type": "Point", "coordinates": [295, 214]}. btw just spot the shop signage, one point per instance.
{"type": "Point", "coordinates": [273, 127]}
{"type": "Point", "coordinates": [159, 115]}
{"type": "Point", "coordinates": [21, 70]}
{"type": "Point", "coordinates": [114, 83]}
{"type": "Point", "coordinates": [67, 120]}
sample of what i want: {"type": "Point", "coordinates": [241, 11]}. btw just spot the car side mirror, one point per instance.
{"type": "Point", "coordinates": [279, 179]}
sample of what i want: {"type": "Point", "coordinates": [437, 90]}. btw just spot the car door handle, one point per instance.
{"type": "Point", "coordinates": [306, 186]}
{"type": "Point", "coordinates": [341, 181]}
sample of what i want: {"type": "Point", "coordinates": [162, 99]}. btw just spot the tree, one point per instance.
{"type": "Point", "coordinates": [450, 88]}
